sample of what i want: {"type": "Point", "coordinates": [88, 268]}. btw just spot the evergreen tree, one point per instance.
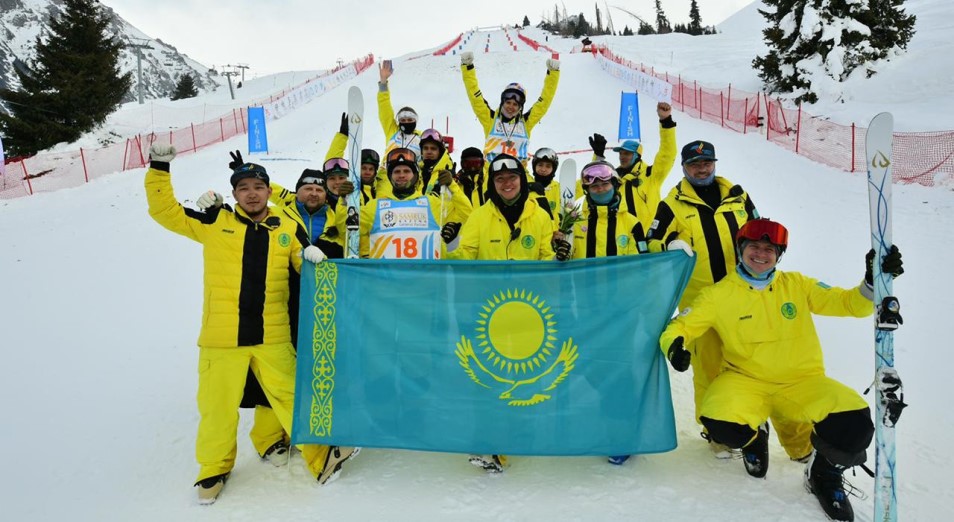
{"type": "Point", "coordinates": [627, 31]}
{"type": "Point", "coordinates": [645, 28]}
{"type": "Point", "coordinates": [582, 27]}
{"type": "Point", "coordinates": [185, 88]}
{"type": "Point", "coordinates": [526, 21]}
{"type": "Point", "coordinates": [662, 23]}
{"type": "Point", "coordinates": [805, 54]}
{"type": "Point", "coordinates": [695, 19]}
{"type": "Point", "coordinates": [71, 87]}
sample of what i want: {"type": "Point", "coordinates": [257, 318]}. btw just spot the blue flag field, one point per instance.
{"type": "Point", "coordinates": [525, 358]}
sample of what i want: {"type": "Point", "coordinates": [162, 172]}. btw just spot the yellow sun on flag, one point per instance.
{"type": "Point", "coordinates": [516, 332]}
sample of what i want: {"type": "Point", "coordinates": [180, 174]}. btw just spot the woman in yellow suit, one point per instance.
{"type": "Point", "coordinates": [774, 364]}
{"type": "Point", "coordinates": [507, 129]}
{"type": "Point", "coordinates": [605, 230]}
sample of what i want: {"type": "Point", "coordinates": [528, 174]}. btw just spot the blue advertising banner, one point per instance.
{"type": "Point", "coordinates": [257, 136]}
{"type": "Point", "coordinates": [525, 358]}
{"type": "Point", "coordinates": [628, 116]}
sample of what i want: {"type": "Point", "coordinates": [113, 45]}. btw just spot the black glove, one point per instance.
{"type": "Point", "coordinates": [678, 356]}
{"type": "Point", "coordinates": [450, 231]}
{"type": "Point", "coordinates": [562, 249]}
{"type": "Point", "coordinates": [237, 160]}
{"type": "Point", "coordinates": [445, 178]}
{"type": "Point", "coordinates": [598, 144]}
{"type": "Point", "coordinates": [537, 188]}
{"type": "Point", "coordinates": [343, 129]}
{"type": "Point", "coordinates": [346, 187]}
{"type": "Point", "coordinates": [891, 264]}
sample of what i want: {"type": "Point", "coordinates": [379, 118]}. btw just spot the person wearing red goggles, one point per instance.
{"type": "Point", "coordinates": [774, 365]}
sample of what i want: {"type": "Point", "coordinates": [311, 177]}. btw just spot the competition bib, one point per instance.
{"type": "Point", "coordinates": [404, 230]}
{"type": "Point", "coordinates": [507, 138]}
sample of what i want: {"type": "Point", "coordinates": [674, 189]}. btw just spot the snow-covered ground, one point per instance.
{"type": "Point", "coordinates": [101, 310]}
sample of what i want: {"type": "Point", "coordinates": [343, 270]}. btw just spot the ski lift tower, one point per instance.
{"type": "Point", "coordinates": [139, 47]}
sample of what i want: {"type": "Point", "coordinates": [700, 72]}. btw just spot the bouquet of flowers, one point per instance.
{"type": "Point", "coordinates": [571, 213]}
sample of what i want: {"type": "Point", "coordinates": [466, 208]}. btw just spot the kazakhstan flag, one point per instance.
{"type": "Point", "coordinates": [514, 358]}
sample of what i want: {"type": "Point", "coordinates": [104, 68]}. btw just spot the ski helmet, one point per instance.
{"type": "Point", "coordinates": [763, 229]}
{"type": "Point", "coordinates": [514, 91]}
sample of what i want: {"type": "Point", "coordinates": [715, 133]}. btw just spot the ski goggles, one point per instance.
{"type": "Point", "coordinates": [336, 165]}
{"type": "Point", "coordinates": [472, 163]}
{"type": "Point", "coordinates": [759, 229]}
{"type": "Point", "coordinates": [401, 155]}
{"type": "Point", "coordinates": [433, 135]}
{"type": "Point", "coordinates": [505, 163]}
{"type": "Point", "coordinates": [597, 172]}
{"type": "Point", "coordinates": [547, 154]}
{"type": "Point", "coordinates": [370, 156]}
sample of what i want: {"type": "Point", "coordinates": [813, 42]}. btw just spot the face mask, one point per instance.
{"type": "Point", "coordinates": [699, 182]}
{"type": "Point", "coordinates": [604, 198]}
{"type": "Point", "coordinates": [408, 128]}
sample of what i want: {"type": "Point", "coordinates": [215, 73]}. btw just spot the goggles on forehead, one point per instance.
{"type": "Point", "coordinates": [505, 163]}
{"type": "Point", "coordinates": [370, 156]}
{"type": "Point", "coordinates": [311, 180]}
{"type": "Point", "coordinates": [407, 115]}
{"type": "Point", "coordinates": [336, 164]}
{"type": "Point", "coordinates": [759, 229]}
{"type": "Point", "coordinates": [402, 154]}
{"type": "Point", "coordinates": [431, 134]}
{"type": "Point", "coordinates": [546, 153]}
{"type": "Point", "coordinates": [597, 172]}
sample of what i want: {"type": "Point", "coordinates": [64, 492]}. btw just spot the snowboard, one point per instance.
{"type": "Point", "coordinates": [878, 141]}
{"type": "Point", "coordinates": [355, 124]}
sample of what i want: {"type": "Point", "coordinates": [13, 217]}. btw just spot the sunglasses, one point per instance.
{"type": "Point", "coordinates": [500, 164]}
{"type": "Point", "coordinates": [336, 164]}
{"type": "Point", "coordinates": [759, 229]}
{"type": "Point", "coordinates": [597, 172]}
{"type": "Point", "coordinates": [402, 155]}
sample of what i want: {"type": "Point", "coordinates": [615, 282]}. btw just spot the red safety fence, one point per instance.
{"type": "Point", "coordinates": [925, 158]}
{"type": "Point", "coordinates": [535, 45]}
{"type": "Point", "coordinates": [47, 172]}
{"type": "Point", "coordinates": [453, 43]}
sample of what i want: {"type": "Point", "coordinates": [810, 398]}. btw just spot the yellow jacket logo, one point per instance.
{"type": "Point", "coordinates": [516, 353]}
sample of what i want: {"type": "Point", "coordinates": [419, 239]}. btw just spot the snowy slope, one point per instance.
{"type": "Point", "coordinates": [101, 310]}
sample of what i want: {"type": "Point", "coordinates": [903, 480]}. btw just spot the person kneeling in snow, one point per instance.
{"type": "Point", "coordinates": [774, 364]}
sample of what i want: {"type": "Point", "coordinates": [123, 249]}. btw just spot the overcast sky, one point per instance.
{"type": "Point", "coordinates": [287, 35]}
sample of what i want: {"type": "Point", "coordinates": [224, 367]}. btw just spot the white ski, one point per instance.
{"type": "Point", "coordinates": [878, 142]}
{"type": "Point", "coordinates": [355, 124]}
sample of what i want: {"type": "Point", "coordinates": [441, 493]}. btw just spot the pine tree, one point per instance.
{"type": "Point", "coordinates": [526, 21]}
{"type": "Point", "coordinates": [695, 19]}
{"type": "Point", "coordinates": [645, 28]}
{"type": "Point", "coordinates": [73, 84]}
{"type": "Point", "coordinates": [627, 31]}
{"type": "Point", "coordinates": [802, 60]}
{"type": "Point", "coordinates": [185, 88]}
{"type": "Point", "coordinates": [662, 23]}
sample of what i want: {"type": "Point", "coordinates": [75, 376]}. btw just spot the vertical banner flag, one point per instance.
{"type": "Point", "coordinates": [488, 357]}
{"type": "Point", "coordinates": [628, 116]}
{"type": "Point", "coordinates": [3, 168]}
{"type": "Point", "coordinates": [257, 137]}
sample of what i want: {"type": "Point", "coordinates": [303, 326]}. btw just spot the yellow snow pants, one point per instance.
{"type": "Point", "coordinates": [795, 437]}
{"type": "Point", "coordinates": [266, 430]}
{"type": "Point", "coordinates": [738, 398]}
{"type": "Point", "coordinates": [222, 374]}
